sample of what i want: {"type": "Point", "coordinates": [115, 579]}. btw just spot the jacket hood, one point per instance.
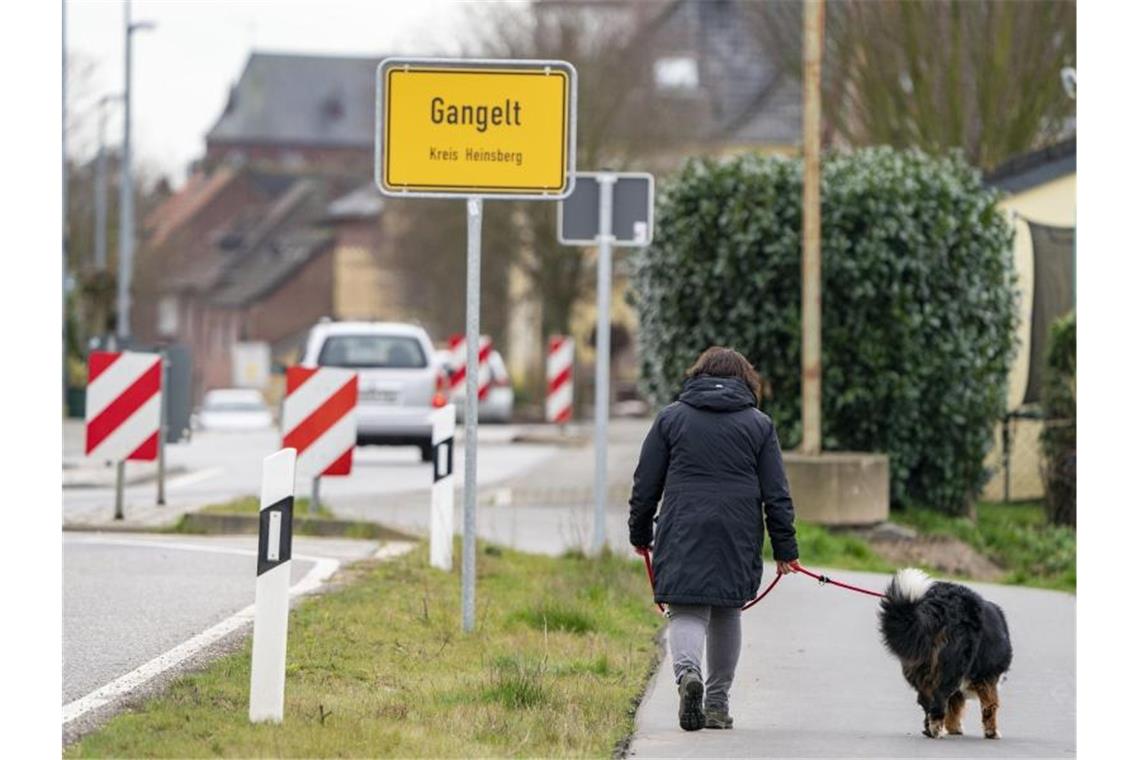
{"type": "Point", "coordinates": [717, 394]}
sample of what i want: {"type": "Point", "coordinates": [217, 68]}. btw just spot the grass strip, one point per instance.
{"type": "Point", "coordinates": [561, 654]}
{"type": "Point", "coordinates": [1015, 536]}
{"type": "Point", "coordinates": [251, 505]}
{"type": "Point", "coordinates": [821, 547]}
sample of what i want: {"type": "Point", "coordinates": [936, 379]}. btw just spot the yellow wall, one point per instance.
{"type": "Point", "coordinates": [362, 290]}
{"type": "Point", "coordinates": [1053, 203]}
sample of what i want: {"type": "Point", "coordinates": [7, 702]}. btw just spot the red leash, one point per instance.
{"type": "Point", "coordinates": [796, 566]}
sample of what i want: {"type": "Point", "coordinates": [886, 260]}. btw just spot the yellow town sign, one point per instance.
{"type": "Point", "coordinates": [475, 128]}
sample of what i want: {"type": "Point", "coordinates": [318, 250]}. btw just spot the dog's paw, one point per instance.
{"type": "Point", "coordinates": [993, 735]}
{"type": "Point", "coordinates": [936, 729]}
{"type": "Point", "coordinates": [954, 731]}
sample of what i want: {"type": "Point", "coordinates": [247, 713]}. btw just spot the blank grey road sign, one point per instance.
{"type": "Point", "coordinates": [578, 214]}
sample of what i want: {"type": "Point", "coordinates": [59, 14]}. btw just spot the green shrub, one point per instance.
{"type": "Point", "coordinates": [919, 308]}
{"type": "Point", "coordinates": [1059, 433]}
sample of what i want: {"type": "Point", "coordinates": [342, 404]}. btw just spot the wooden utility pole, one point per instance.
{"type": "Point", "coordinates": [810, 304]}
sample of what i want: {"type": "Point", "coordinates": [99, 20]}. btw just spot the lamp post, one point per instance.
{"type": "Point", "coordinates": [101, 185]}
{"type": "Point", "coordinates": [126, 194]}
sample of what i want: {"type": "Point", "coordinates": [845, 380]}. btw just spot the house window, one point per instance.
{"type": "Point", "coordinates": [168, 316]}
{"type": "Point", "coordinates": [678, 72]}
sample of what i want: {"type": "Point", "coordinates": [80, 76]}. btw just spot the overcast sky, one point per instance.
{"type": "Point", "coordinates": [183, 68]}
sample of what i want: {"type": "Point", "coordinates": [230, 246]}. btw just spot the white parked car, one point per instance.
{"type": "Point", "coordinates": [233, 409]}
{"type": "Point", "coordinates": [401, 383]}
{"type": "Point", "coordinates": [499, 403]}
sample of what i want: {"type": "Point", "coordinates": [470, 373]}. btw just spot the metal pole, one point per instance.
{"type": "Point", "coordinates": [1005, 458]}
{"type": "Point", "coordinates": [101, 188]}
{"type": "Point", "coordinates": [602, 355]}
{"type": "Point", "coordinates": [162, 401]}
{"type": "Point", "coordinates": [471, 409]}
{"type": "Point", "coordinates": [126, 206]}
{"type": "Point", "coordinates": [63, 272]}
{"type": "Point", "coordinates": [119, 466]}
{"type": "Point", "coordinates": [315, 502]}
{"type": "Point", "coordinates": [812, 364]}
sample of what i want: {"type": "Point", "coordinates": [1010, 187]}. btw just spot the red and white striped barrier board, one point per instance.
{"type": "Point", "coordinates": [124, 405]}
{"type": "Point", "coordinates": [458, 346]}
{"type": "Point", "coordinates": [319, 419]}
{"type": "Point", "coordinates": [559, 378]}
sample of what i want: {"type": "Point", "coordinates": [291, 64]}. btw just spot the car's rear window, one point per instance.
{"type": "Point", "coordinates": [376, 351]}
{"type": "Point", "coordinates": [233, 401]}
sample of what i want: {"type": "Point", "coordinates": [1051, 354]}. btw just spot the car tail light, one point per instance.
{"type": "Point", "coordinates": [439, 398]}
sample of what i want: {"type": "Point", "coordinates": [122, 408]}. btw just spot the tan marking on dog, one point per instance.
{"type": "Point", "coordinates": [988, 696]}
{"type": "Point", "coordinates": [935, 727]}
{"type": "Point", "coordinates": [954, 708]}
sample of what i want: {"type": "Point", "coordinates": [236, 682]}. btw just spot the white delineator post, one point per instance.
{"type": "Point", "coordinates": [559, 379]}
{"type": "Point", "coordinates": [271, 608]}
{"type": "Point", "coordinates": [443, 486]}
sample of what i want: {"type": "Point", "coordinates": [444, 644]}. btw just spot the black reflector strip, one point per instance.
{"type": "Point", "coordinates": [282, 532]}
{"type": "Point", "coordinates": [442, 462]}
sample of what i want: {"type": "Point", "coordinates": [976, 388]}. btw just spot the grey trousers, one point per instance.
{"type": "Point", "coordinates": [692, 629]}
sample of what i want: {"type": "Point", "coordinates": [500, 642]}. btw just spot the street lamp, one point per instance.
{"type": "Point", "coordinates": [126, 195]}
{"type": "Point", "coordinates": [101, 185]}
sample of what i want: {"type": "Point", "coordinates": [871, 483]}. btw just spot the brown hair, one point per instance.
{"type": "Point", "coordinates": [719, 361]}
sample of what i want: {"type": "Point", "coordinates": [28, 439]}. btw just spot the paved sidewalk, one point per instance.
{"type": "Point", "coordinates": [814, 681]}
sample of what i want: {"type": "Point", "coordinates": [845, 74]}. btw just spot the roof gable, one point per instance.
{"type": "Point", "coordinates": [325, 101]}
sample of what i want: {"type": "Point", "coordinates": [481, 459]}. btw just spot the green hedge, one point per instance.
{"type": "Point", "coordinates": [1059, 433]}
{"type": "Point", "coordinates": [919, 307]}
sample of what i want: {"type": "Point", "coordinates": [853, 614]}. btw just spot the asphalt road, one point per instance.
{"type": "Point", "coordinates": [129, 598]}
{"type": "Point", "coordinates": [814, 681]}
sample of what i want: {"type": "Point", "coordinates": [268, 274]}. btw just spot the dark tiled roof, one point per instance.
{"type": "Point", "coordinates": [306, 100]}
{"type": "Point", "coordinates": [1036, 167]}
{"type": "Point", "coordinates": [752, 98]}
{"type": "Point", "coordinates": [271, 265]}
{"type": "Point", "coordinates": [279, 242]}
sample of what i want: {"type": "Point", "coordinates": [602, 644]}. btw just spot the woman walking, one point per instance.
{"type": "Point", "coordinates": [716, 457]}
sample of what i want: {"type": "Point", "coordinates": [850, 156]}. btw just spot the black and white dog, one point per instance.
{"type": "Point", "coordinates": [953, 645]}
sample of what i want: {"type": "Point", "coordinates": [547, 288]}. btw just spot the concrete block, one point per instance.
{"type": "Point", "coordinates": [839, 487]}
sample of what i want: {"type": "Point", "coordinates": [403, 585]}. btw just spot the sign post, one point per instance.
{"type": "Point", "coordinates": [475, 129]}
{"type": "Point", "coordinates": [605, 209]}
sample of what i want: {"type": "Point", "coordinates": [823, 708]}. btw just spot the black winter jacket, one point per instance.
{"type": "Point", "coordinates": [717, 459]}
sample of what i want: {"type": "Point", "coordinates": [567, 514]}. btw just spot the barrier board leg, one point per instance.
{"type": "Point", "coordinates": [119, 467]}
{"type": "Point", "coordinates": [271, 608]}
{"type": "Point", "coordinates": [443, 487]}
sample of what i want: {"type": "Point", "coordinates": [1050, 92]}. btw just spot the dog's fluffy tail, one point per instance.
{"type": "Point", "coordinates": [906, 630]}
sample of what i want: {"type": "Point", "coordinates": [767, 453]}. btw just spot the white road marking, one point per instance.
{"type": "Point", "coordinates": [191, 478]}
{"type": "Point", "coordinates": [127, 683]}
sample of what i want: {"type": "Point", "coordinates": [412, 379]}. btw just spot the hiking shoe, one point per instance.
{"type": "Point", "coordinates": [692, 691]}
{"type": "Point", "coordinates": [717, 717]}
